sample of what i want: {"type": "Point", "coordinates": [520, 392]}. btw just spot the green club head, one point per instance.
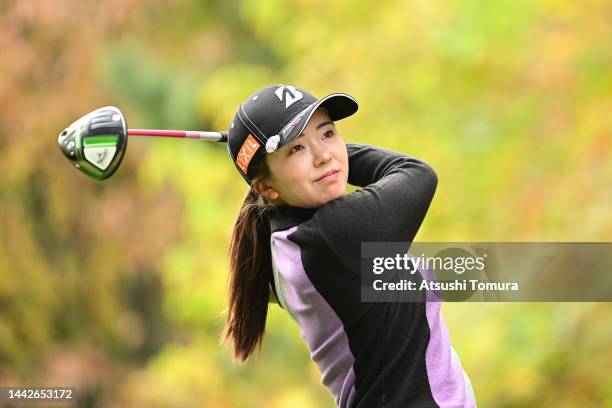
{"type": "Point", "coordinates": [96, 143]}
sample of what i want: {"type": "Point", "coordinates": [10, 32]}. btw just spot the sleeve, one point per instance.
{"type": "Point", "coordinates": [396, 192]}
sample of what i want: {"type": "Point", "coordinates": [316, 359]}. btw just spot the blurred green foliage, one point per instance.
{"type": "Point", "coordinates": [118, 287]}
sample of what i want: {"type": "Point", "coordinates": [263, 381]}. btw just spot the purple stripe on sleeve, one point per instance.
{"type": "Point", "coordinates": [320, 326]}
{"type": "Point", "coordinates": [449, 384]}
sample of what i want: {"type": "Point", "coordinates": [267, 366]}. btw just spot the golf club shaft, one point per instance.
{"type": "Point", "coordinates": [188, 134]}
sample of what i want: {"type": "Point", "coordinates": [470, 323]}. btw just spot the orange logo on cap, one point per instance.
{"type": "Point", "coordinates": [246, 153]}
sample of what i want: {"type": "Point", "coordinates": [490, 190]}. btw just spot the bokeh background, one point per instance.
{"type": "Point", "coordinates": [118, 287]}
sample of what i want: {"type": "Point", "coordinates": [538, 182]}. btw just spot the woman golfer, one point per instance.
{"type": "Point", "coordinates": [297, 241]}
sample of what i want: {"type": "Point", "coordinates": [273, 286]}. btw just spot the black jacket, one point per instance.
{"type": "Point", "coordinates": [369, 354]}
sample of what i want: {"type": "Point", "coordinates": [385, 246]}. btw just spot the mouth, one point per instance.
{"type": "Point", "coordinates": [329, 173]}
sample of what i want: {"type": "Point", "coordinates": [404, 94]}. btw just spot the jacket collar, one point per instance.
{"type": "Point", "coordinates": [282, 217]}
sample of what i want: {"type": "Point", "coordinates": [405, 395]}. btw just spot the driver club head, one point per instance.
{"type": "Point", "coordinates": [96, 143]}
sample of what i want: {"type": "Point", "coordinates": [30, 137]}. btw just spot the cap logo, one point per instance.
{"type": "Point", "coordinates": [288, 94]}
{"type": "Point", "coordinates": [246, 153]}
{"type": "Point", "coordinates": [292, 124]}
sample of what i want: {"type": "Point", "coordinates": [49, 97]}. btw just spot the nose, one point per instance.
{"type": "Point", "coordinates": [322, 154]}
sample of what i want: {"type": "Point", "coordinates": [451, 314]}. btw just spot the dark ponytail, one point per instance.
{"type": "Point", "coordinates": [250, 263]}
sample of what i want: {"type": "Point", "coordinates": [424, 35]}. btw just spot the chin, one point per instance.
{"type": "Point", "coordinates": [340, 192]}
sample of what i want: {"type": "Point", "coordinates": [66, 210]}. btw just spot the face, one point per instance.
{"type": "Point", "coordinates": [297, 169]}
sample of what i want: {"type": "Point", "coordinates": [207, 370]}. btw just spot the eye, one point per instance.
{"type": "Point", "coordinates": [294, 148]}
{"type": "Point", "coordinates": [329, 133]}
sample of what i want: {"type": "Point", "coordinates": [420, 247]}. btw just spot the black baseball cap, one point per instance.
{"type": "Point", "coordinates": [272, 118]}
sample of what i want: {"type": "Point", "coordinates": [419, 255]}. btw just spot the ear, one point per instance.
{"type": "Point", "coordinates": [265, 189]}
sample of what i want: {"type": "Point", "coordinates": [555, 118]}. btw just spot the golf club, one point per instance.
{"type": "Point", "coordinates": [96, 142]}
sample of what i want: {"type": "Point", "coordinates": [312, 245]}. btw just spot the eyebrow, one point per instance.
{"type": "Point", "coordinates": [319, 126]}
